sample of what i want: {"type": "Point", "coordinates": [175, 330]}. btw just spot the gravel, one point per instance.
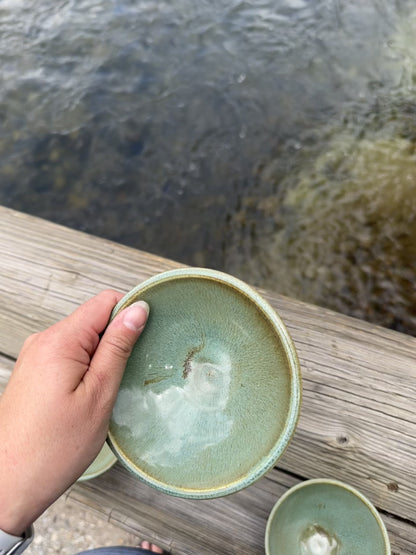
{"type": "Point", "coordinates": [66, 529]}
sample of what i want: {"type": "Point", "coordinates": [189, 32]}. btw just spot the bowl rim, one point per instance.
{"type": "Point", "coordinates": [333, 482]}
{"type": "Point", "coordinates": [292, 418]}
{"type": "Point", "coordinates": [109, 463]}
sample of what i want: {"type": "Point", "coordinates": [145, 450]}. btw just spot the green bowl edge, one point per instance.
{"type": "Point", "coordinates": [333, 482]}
{"type": "Point", "coordinates": [290, 352]}
{"type": "Point", "coordinates": [90, 475]}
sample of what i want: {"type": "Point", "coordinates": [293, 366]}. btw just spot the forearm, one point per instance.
{"type": "Point", "coordinates": [55, 410]}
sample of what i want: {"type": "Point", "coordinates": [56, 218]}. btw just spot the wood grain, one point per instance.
{"type": "Point", "coordinates": [6, 367]}
{"type": "Point", "coordinates": [359, 385]}
{"type": "Point", "coordinates": [232, 525]}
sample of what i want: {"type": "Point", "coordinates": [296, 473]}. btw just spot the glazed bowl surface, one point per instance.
{"type": "Point", "coordinates": [325, 517]}
{"type": "Point", "coordinates": [211, 394]}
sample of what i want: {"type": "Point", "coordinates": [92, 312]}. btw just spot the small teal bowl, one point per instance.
{"type": "Point", "coordinates": [211, 394]}
{"type": "Point", "coordinates": [325, 517]}
{"type": "Point", "coordinates": [103, 462]}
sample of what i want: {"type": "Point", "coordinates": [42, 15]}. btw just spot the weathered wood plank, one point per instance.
{"type": "Point", "coordinates": [230, 526]}
{"type": "Point", "coordinates": [358, 413]}
{"type": "Point", "coordinates": [402, 536]}
{"type": "Point", "coordinates": [357, 422]}
{"type": "Point", "coordinates": [48, 270]}
{"type": "Point", "coordinates": [6, 367]}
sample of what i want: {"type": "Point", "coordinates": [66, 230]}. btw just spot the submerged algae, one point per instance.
{"type": "Point", "coordinates": [345, 222]}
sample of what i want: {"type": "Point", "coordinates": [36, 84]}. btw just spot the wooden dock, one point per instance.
{"type": "Point", "coordinates": [358, 420]}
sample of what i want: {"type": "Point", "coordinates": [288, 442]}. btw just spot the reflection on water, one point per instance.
{"type": "Point", "coordinates": [274, 140]}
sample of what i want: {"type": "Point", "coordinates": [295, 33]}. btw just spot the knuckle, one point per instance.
{"type": "Point", "coordinates": [119, 346]}
{"type": "Point", "coordinates": [110, 294]}
{"type": "Point", "coordinates": [100, 384]}
{"type": "Point", "coordinates": [102, 394]}
{"type": "Point", "coordinates": [33, 338]}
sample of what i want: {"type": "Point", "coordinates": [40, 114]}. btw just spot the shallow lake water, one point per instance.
{"type": "Point", "coordinates": [274, 140]}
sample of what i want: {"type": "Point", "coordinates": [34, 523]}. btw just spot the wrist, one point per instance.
{"type": "Point", "coordinates": [14, 519]}
{"type": "Point", "coordinates": [15, 499]}
{"type": "Point", "coordinates": [15, 545]}
{"type": "Point", "coordinates": [20, 486]}
{"type": "Point", "coordinates": [12, 525]}
{"type": "Point", "coordinates": [19, 507]}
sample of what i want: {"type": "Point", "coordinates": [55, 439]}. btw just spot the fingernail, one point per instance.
{"type": "Point", "coordinates": [135, 316]}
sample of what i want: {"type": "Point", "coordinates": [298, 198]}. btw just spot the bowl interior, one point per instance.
{"type": "Point", "coordinates": [210, 396]}
{"type": "Point", "coordinates": [325, 518]}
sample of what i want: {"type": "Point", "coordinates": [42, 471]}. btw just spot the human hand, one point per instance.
{"type": "Point", "coordinates": [55, 411]}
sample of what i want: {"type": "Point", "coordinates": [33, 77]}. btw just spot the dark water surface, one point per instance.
{"type": "Point", "coordinates": [272, 139]}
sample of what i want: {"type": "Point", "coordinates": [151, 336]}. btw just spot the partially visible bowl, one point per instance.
{"type": "Point", "coordinates": [211, 394]}
{"type": "Point", "coordinates": [325, 517]}
{"type": "Point", "coordinates": [103, 462]}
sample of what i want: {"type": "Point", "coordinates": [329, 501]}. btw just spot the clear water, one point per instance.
{"type": "Point", "coordinates": [273, 139]}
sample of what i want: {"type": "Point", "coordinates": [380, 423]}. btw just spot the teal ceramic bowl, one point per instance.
{"type": "Point", "coordinates": [211, 394]}
{"type": "Point", "coordinates": [103, 462]}
{"type": "Point", "coordinates": [325, 517]}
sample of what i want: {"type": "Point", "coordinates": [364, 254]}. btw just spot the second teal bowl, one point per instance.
{"type": "Point", "coordinates": [325, 517]}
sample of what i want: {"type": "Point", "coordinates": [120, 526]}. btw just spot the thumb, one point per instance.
{"type": "Point", "coordinates": [110, 358]}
